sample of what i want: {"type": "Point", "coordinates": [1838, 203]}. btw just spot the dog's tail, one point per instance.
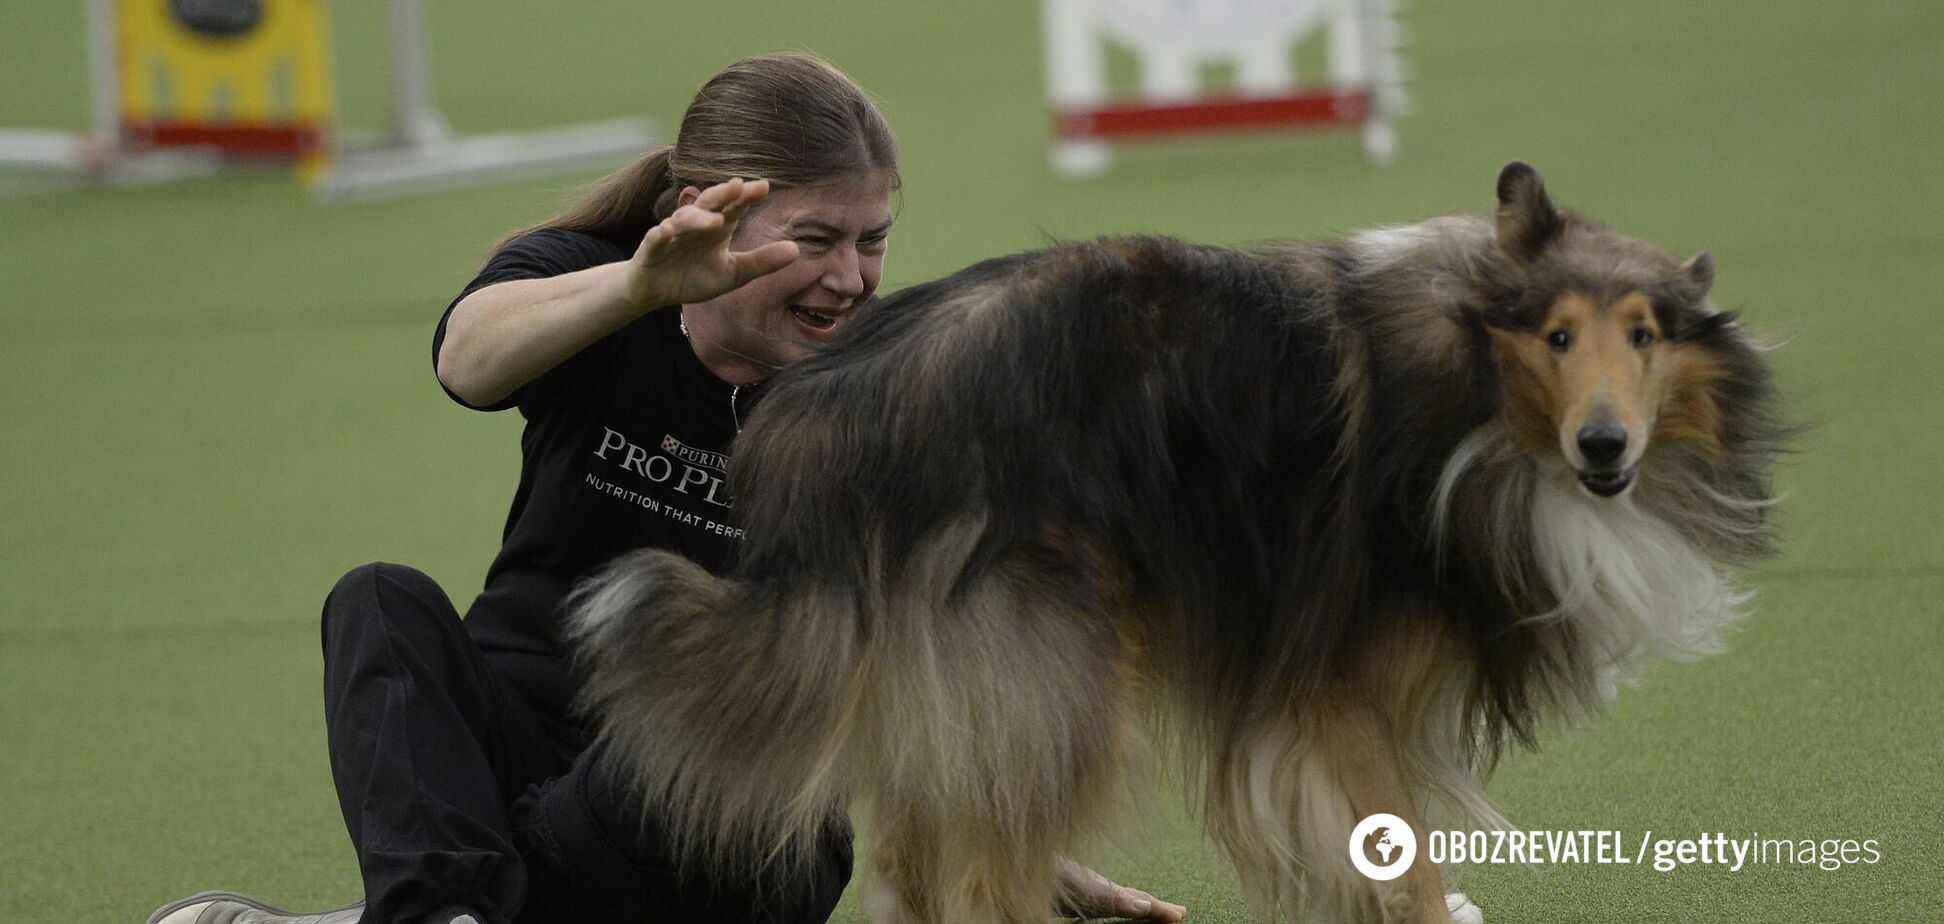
{"type": "Point", "coordinates": [981, 725]}
{"type": "Point", "coordinates": [727, 712]}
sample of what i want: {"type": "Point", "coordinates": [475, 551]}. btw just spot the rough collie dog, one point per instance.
{"type": "Point", "coordinates": [1339, 519]}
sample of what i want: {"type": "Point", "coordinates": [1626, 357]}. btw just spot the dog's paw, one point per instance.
{"type": "Point", "coordinates": [1462, 910]}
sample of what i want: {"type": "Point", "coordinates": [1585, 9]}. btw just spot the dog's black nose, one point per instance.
{"type": "Point", "coordinates": [1602, 443]}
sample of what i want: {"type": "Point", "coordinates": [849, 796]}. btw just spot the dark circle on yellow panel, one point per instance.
{"type": "Point", "coordinates": [221, 19]}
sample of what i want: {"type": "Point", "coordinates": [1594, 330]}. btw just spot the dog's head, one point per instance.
{"type": "Point", "coordinates": [1605, 346]}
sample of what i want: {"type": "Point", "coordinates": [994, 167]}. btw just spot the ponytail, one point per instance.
{"type": "Point", "coordinates": [623, 205]}
{"type": "Point", "coordinates": [792, 119]}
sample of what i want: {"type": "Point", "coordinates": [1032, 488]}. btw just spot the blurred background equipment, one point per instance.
{"type": "Point", "coordinates": [179, 86]}
{"type": "Point", "coordinates": [1174, 43]}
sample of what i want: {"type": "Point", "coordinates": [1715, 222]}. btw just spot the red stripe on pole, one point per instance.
{"type": "Point", "coordinates": [1340, 106]}
{"type": "Point", "coordinates": [265, 141]}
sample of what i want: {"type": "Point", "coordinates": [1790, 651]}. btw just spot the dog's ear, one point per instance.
{"type": "Point", "coordinates": [1527, 220]}
{"type": "Point", "coordinates": [1700, 270]}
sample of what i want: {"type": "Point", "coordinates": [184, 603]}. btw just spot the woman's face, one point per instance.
{"type": "Point", "coordinates": [840, 229]}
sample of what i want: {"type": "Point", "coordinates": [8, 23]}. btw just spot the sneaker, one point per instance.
{"type": "Point", "coordinates": [232, 908]}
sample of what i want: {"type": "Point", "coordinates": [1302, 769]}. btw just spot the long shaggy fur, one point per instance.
{"type": "Point", "coordinates": [1289, 499]}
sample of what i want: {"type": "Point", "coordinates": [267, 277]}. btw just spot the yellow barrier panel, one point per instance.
{"type": "Point", "coordinates": [251, 78]}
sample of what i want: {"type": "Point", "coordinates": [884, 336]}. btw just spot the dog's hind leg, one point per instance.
{"type": "Point", "coordinates": [932, 873]}
{"type": "Point", "coordinates": [1296, 783]}
{"type": "Point", "coordinates": [905, 859]}
{"type": "Point", "coordinates": [1359, 772]}
{"type": "Point", "coordinates": [999, 714]}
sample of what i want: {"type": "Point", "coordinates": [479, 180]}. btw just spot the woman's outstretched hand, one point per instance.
{"type": "Point", "coordinates": [1087, 894]}
{"type": "Point", "coordinates": [686, 259]}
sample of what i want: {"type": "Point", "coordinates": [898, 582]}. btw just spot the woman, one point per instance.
{"type": "Point", "coordinates": [633, 333]}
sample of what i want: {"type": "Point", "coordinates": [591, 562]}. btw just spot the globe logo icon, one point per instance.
{"type": "Point", "coordinates": [1382, 846]}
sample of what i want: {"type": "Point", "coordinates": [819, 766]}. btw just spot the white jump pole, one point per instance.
{"type": "Point", "coordinates": [100, 153]}
{"type": "Point", "coordinates": [423, 154]}
{"type": "Point", "coordinates": [415, 121]}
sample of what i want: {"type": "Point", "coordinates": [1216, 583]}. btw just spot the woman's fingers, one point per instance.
{"type": "Point", "coordinates": [1089, 894]}
{"type": "Point", "coordinates": [716, 197]}
{"type": "Point", "coordinates": [748, 195]}
{"type": "Point", "coordinates": [732, 198]}
{"type": "Point", "coordinates": [688, 226]}
{"type": "Point", "coordinates": [687, 256]}
{"type": "Point", "coordinates": [764, 260]}
{"type": "Point", "coordinates": [717, 209]}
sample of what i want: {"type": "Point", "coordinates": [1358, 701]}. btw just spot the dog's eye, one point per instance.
{"type": "Point", "coordinates": [1560, 340]}
{"type": "Point", "coordinates": [1642, 338]}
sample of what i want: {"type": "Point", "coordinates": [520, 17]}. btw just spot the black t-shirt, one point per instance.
{"type": "Point", "coordinates": [625, 447]}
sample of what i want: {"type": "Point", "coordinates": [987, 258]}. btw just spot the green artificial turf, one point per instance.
{"type": "Point", "coordinates": [216, 397]}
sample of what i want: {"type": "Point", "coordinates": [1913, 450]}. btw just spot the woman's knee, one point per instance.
{"type": "Point", "coordinates": [383, 592]}
{"type": "Point", "coordinates": [592, 827]}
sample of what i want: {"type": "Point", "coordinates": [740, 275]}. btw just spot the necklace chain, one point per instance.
{"type": "Point", "coordinates": [735, 416]}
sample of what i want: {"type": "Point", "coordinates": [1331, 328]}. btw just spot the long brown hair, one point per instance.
{"type": "Point", "coordinates": [792, 119]}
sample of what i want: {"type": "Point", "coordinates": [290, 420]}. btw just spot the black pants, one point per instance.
{"type": "Point", "coordinates": [459, 792]}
